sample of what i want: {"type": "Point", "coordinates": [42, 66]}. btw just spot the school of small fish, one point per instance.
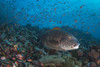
{"type": "Point", "coordinates": [39, 12]}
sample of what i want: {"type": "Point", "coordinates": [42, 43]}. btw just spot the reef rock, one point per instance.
{"type": "Point", "coordinates": [64, 61]}
{"type": "Point", "coordinates": [52, 59]}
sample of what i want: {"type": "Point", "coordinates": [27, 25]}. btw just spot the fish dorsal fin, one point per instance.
{"type": "Point", "coordinates": [56, 28]}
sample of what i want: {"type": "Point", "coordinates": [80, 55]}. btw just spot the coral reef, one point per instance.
{"type": "Point", "coordinates": [21, 46]}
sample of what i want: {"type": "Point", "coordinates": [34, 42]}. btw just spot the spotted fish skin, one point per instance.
{"type": "Point", "coordinates": [59, 40]}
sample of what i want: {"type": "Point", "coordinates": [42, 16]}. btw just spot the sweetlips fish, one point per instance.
{"type": "Point", "coordinates": [59, 40]}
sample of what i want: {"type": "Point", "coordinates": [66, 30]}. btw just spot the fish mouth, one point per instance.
{"type": "Point", "coordinates": [70, 47]}
{"type": "Point", "coordinates": [77, 46]}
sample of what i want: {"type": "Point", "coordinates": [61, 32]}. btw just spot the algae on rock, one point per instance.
{"type": "Point", "coordinates": [64, 61]}
{"type": "Point", "coordinates": [52, 59]}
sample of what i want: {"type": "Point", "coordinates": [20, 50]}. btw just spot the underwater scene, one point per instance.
{"type": "Point", "coordinates": [49, 33]}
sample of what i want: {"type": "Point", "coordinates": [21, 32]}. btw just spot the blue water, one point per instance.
{"type": "Point", "coordinates": [79, 14]}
